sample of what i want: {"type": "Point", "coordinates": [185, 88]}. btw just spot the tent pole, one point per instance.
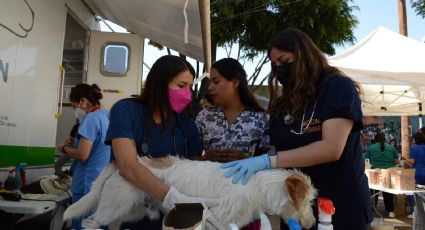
{"type": "Point", "coordinates": [204, 9]}
{"type": "Point", "coordinates": [406, 134]}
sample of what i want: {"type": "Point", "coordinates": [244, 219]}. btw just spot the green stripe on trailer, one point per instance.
{"type": "Point", "coordinates": [32, 156]}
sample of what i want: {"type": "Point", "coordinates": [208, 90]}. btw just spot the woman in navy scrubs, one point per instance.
{"type": "Point", "coordinates": [155, 125]}
{"type": "Point", "coordinates": [315, 123]}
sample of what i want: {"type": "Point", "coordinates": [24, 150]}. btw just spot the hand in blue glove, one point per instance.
{"type": "Point", "coordinates": [293, 224]}
{"type": "Point", "coordinates": [245, 168]}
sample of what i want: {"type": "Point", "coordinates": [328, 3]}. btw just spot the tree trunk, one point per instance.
{"type": "Point", "coordinates": [406, 136]}
{"type": "Point", "coordinates": [402, 18]}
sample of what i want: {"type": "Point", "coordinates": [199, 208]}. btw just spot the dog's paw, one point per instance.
{"type": "Point", "coordinates": [89, 224]}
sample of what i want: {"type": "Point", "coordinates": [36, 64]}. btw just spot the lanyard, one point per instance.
{"type": "Point", "coordinates": [97, 107]}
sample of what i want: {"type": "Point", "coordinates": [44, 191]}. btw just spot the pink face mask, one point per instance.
{"type": "Point", "coordinates": [179, 98]}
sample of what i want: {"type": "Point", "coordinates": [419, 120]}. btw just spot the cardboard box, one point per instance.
{"type": "Point", "coordinates": [385, 178]}
{"type": "Point", "coordinates": [373, 176]}
{"type": "Point", "coordinates": [400, 205]}
{"type": "Point", "coordinates": [403, 179]}
{"type": "Point", "coordinates": [185, 216]}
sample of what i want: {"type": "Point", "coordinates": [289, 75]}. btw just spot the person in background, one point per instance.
{"type": "Point", "coordinates": [89, 153]}
{"type": "Point", "coordinates": [383, 156]}
{"type": "Point", "coordinates": [422, 130]}
{"type": "Point", "coordinates": [156, 125]}
{"type": "Point", "coordinates": [393, 143]}
{"type": "Point", "coordinates": [236, 125]}
{"type": "Point", "coordinates": [315, 123]}
{"type": "Point", "coordinates": [417, 160]}
{"type": "Point", "coordinates": [207, 101]}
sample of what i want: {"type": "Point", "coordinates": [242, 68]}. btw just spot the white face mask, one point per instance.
{"type": "Point", "coordinates": [79, 113]}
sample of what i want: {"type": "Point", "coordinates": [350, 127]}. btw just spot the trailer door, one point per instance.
{"type": "Point", "coordinates": [115, 64]}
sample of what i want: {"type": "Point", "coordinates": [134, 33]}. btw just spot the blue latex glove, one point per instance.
{"type": "Point", "coordinates": [293, 224]}
{"type": "Point", "coordinates": [245, 168]}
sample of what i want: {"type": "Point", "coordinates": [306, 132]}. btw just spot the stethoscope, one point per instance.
{"type": "Point", "coordinates": [289, 119]}
{"type": "Point", "coordinates": [145, 147]}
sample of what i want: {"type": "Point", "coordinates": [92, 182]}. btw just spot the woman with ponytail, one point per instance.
{"type": "Point", "coordinates": [382, 155]}
{"type": "Point", "coordinates": [88, 150]}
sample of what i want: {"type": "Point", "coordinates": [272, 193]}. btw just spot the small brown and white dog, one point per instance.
{"type": "Point", "coordinates": [286, 193]}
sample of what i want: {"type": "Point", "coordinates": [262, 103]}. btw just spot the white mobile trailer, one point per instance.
{"type": "Point", "coordinates": [39, 37]}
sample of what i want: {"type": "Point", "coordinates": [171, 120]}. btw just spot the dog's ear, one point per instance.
{"type": "Point", "coordinates": [296, 186]}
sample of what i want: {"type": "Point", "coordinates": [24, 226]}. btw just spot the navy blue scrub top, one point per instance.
{"type": "Point", "coordinates": [342, 181]}
{"type": "Point", "coordinates": [127, 119]}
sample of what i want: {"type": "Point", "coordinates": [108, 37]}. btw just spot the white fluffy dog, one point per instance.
{"type": "Point", "coordinates": [286, 193]}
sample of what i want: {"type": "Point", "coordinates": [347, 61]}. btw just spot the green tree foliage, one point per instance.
{"type": "Point", "coordinates": [252, 23]}
{"type": "Point", "coordinates": [419, 6]}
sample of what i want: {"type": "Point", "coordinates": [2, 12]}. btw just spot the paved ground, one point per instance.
{"type": "Point", "coordinates": [399, 222]}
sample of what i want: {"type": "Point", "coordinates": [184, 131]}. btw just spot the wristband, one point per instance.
{"type": "Point", "coordinates": [273, 161]}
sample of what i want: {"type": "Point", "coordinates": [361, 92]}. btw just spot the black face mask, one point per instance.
{"type": "Point", "coordinates": [283, 73]}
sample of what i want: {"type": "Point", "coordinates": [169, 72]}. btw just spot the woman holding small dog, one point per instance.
{"type": "Point", "coordinates": [156, 125]}
{"type": "Point", "coordinates": [236, 126]}
{"type": "Point", "coordinates": [89, 152]}
{"type": "Point", "coordinates": [315, 123]}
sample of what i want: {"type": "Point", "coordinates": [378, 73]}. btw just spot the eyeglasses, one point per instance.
{"type": "Point", "coordinates": [301, 132]}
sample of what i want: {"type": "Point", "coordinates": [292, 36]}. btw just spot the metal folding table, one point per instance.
{"type": "Point", "coordinates": [26, 209]}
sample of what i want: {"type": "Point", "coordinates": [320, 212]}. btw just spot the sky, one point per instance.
{"type": "Point", "coordinates": [374, 13]}
{"type": "Point", "coordinates": [371, 14]}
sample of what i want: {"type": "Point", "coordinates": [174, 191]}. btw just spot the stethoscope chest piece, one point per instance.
{"type": "Point", "coordinates": [288, 119]}
{"type": "Point", "coordinates": [145, 148]}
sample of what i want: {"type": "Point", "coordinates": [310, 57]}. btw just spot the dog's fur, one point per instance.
{"type": "Point", "coordinates": [286, 193]}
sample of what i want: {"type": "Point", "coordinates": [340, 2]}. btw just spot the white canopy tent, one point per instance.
{"type": "Point", "coordinates": [391, 69]}
{"type": "Point", "coordinates": [181, 25]}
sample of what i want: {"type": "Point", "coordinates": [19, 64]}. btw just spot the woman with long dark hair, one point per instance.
{"type": "Point", "coordinates": [382, 156]}
{"type": "Point", "coordinates": [237, 122]}
{"type": "Point", "coordinates": [88, 150]}
{"type": "Point", "coordinates": [315, 123]}
{"type": "Point", "coordinates": [155, 125]}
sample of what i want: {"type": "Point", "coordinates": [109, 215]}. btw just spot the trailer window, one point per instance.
{"type": "Point", "coordinates": [115, 59]}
